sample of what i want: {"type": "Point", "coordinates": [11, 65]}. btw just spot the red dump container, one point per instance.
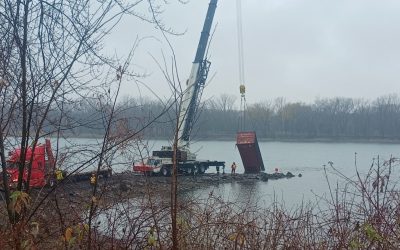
{"type": "Point", "coordinates": [249, 152]}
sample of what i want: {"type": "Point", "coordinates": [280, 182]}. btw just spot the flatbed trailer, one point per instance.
{"type": "Point", "coordinates": [76, 177]}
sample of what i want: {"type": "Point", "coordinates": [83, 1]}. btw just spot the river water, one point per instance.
{"type": "Point", "coordinates": [307, 159]}
{"type": "Point", "coordinates": [303, 158]}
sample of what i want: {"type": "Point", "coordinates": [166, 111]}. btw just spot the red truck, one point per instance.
{"type": "Point", "coordinates": [43, 166]}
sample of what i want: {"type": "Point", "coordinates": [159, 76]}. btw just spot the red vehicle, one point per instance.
{"type": "Point", "coordinates": [149, 166]}
{"type": "Point", "coordinates": [43, 166]}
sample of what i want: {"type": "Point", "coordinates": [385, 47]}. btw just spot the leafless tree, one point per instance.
{"type": "Point", "coordinates": [51, 54]}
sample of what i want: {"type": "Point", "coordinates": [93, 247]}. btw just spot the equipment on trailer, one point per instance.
{"type": "Point", "coordinates": [162, 160]}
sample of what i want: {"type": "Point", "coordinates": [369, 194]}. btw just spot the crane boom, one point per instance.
{"type": "Point", "coordinates": [195, 83]}
{"type": "Point", "coordinates": [170, 159]}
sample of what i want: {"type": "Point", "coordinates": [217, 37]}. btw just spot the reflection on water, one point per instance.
{"type": "Point", "coordinates": [239, 193]}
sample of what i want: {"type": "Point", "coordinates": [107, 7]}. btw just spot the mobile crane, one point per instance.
{"type": "Point", "coordinates": [162, 161]}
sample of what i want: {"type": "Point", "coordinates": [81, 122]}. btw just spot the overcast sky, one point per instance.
{"type": "Point", "coordinates": [297, 49]}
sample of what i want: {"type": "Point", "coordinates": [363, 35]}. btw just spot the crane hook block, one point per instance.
{"type": "Point", "coordinates": [242, 89]}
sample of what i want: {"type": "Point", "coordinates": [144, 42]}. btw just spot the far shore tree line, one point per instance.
{"type": "Point", "coordinates": [326, 118]}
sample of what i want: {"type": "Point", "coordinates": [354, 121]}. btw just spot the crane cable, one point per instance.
{"type": "Point", "coordinates": [240, 40]}
{"type": "Point", "coordinates": [241, 64]}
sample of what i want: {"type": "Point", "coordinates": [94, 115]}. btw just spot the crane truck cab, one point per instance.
{"type": "Point", "coordinates": [148, 166]}
{"type": "Point", "coordinates": [42, 168]}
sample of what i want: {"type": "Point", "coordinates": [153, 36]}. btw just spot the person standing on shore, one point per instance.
{"type": "Point", "coordinates": [59, 175]}
{"type": "Point", "coordinates": [93, 180]}
{"type": "Point", "coordinates": [233, 168]}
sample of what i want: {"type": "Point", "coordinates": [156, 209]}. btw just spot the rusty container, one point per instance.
{"type": "Point", "coordinates": [249, 152]}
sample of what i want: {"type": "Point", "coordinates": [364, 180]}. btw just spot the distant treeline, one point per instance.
{"type": "Point", "coordinates": [328, 118]}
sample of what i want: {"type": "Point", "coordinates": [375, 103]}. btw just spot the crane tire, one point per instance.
{"type": "Point", "coordinates": [165, 171]}
{"type": "Point", "coordinates": [190, 170]}
{"type": "Point", "coordinates": [201, 169]}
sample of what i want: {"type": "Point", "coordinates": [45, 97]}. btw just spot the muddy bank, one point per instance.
{"type": "Point", "coordinates": [125, 185]}
{"type": "Point", "coordinates": [138, 185]}
{"type": "Point", "coordinates": [76, 196]}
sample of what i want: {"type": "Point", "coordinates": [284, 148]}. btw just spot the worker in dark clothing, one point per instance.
{"type": "Point", "coordinates": [233, 168]}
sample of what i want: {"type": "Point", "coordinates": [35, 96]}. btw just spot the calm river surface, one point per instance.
{"type": "Point", "coordinates": [305, 158]}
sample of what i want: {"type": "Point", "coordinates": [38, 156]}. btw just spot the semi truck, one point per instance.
{"type": "Point", "coordinates": [161, 161]}
{"type": "Point", "coordinates": [43, 167]}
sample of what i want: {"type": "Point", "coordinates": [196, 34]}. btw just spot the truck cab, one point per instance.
{"type": "Point", "coordinates": [42, 168]}
{"type": "Point", "coordinates": [148, 166]}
